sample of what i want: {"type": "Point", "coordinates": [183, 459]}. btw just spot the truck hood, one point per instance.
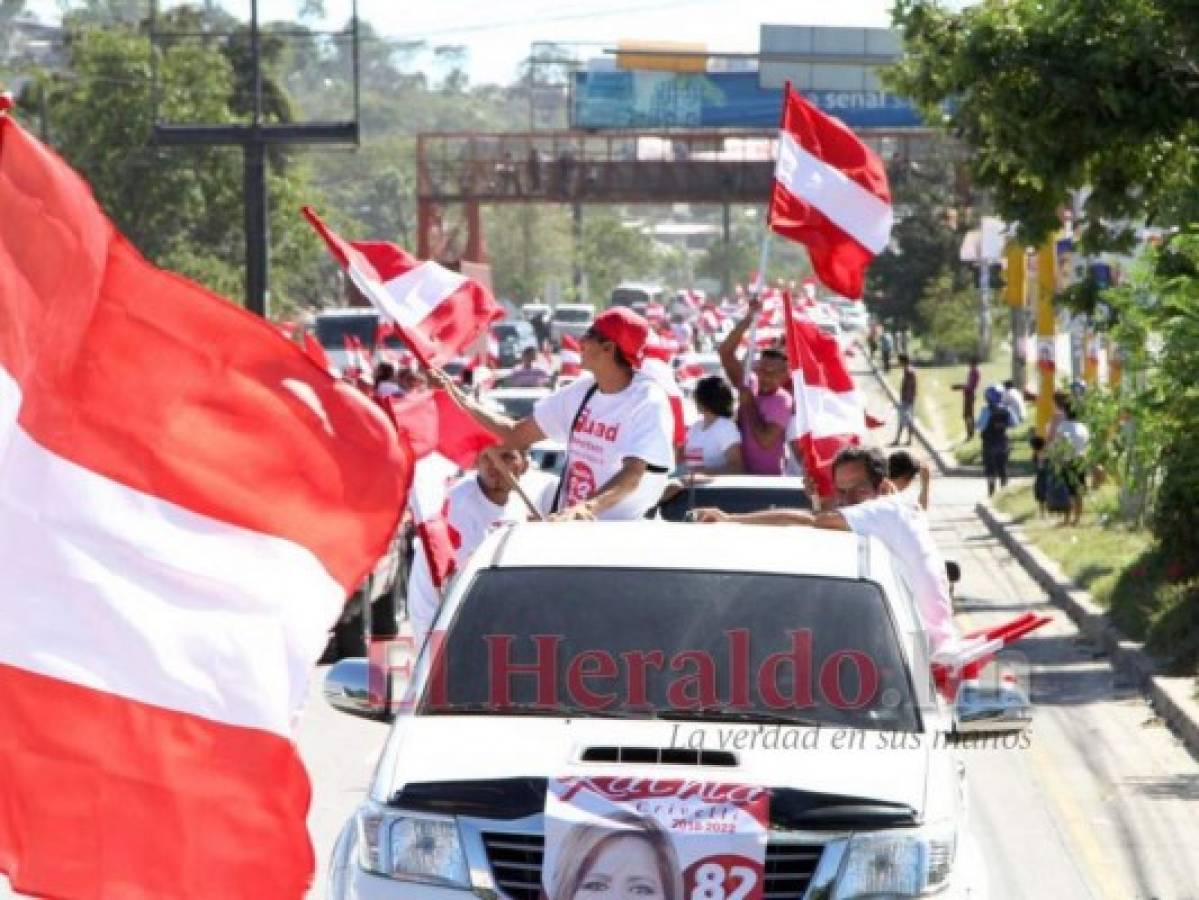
{"type": "Point", "coordinates": [885, 767]}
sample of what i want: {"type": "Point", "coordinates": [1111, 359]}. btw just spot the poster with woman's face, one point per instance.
{"type": "Point", "coordinates": [653, 839]}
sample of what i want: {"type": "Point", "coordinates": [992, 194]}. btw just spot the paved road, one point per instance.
{"type": "Point", "coordinates": [1104, 803]}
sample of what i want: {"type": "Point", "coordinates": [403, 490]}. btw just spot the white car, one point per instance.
{"type": "Point", "coordinates": [875, 805]}
{"type": "Point", "coordinates": [570, 318]}
{"type": "Point", "coordinates": [852, 315]}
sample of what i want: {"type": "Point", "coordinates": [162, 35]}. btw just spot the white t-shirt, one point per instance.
{"type": "Point", "coordinates": [635, 423]}
{"type": "Point", "coordinates": [473, 515]}
{"type": "Point", "coordinates": [903, 529]}
{"type": "Point", "coordinates": [708, 446]}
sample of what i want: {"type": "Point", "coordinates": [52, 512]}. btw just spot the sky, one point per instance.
{"type": "Point", "coordinates": [498, 34]}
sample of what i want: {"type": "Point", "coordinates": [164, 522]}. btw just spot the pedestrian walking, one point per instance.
{"type": "Point", "coordinates": [1068, 453]}
{"type": "Point", "coordinates": [969, 389]}
{"type": "Point", "coordinates": [886, 346]}
{"type": "Point", "coordinates": [907, 400]}
{"type": "Point", "coordinates": [993, 424]}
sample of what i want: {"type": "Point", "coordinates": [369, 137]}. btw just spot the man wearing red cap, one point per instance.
{"type": "Point", "coordinates": [615, 422]}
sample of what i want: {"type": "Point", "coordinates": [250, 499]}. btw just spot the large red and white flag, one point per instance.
{"type": "Point", "coordinates": [186, 499]}
{"type": "Point", "coordinates": [829, 413]}
{"type": "Point", "coordinates": [830, 194]}
{"type": "Point", "coordinates": [438, 313]}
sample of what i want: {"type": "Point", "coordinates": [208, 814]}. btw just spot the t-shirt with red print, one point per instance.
{"type": "Point", "coordinates": [635, 423]}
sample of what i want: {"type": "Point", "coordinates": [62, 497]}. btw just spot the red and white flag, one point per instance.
{"type": "Point", "coordinates": [434, 423]}
{"type": "Point", "coordinates": [656, 365]}
{"type": "Point", "coordinates": [570, 358]}
{"type": "Point", "coordinates": [438, 313]}
{"type": "Point", "coordinates": [186, 500]}
{"type": "Point", "coordinates": [830, 194]}
{"type": "Point", "coordinates": [829, 413]}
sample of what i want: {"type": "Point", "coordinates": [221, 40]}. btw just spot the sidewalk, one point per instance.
{"type": "Point", "coordinates": [1173, 699]}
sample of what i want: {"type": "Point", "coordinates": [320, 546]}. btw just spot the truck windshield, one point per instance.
{"type": "Point", "coordinates": [663, 643]}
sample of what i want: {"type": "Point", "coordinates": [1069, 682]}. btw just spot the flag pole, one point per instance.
{"type": "Point", "coordinates": [755, 293]}
{"type": "Point", "coordinates": [515, 485]}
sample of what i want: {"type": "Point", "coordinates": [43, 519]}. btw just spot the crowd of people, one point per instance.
{"type": "Point", "coordinates": [616, 426]}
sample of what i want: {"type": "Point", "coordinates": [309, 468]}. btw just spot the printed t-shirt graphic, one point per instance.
{"type": "Point", "coordinates": [635, 423]}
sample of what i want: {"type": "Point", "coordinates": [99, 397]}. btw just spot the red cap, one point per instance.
{"type": "Point", "coordinates": [625, 329]}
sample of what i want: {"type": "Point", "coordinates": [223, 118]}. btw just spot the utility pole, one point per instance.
{"type": "Point", "coordinates": [254, 140]}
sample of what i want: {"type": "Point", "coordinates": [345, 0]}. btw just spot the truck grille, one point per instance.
{"type": "Point", "coordinates": [516, 866]}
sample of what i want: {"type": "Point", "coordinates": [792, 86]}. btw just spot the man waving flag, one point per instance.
{"type": "Point", "coordinates": [437, 313]}
{"type": "Point", "coordinates": [830, 194]}
{"type": "Point", "coordinates": [186, 499]}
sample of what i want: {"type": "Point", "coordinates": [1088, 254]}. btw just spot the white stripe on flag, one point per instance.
{"type": "Point", "coordinates": [824, 413]}
{"type": "Point", "coordinates": [109, 588]}
{"type": "Point", "coordinates": [409, 298]}
{"type": "Point", "coordinates": [851, 207]}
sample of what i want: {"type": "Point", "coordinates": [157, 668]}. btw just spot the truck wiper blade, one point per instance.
{"type": "Point", "coordinates": [727, 714]}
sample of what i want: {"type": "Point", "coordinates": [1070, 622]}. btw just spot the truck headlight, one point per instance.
{"type": "Point", "coordinates": [911, 862]}
{"type": "Point", "coordinates": [411, 846]}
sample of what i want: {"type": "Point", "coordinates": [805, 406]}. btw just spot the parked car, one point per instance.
{"type": "Point", "coordinates": [456, 804]}
{"type": "Point", "coordinates": [512, 336]}
{"type": "Point", "coordinates": [570, 318]}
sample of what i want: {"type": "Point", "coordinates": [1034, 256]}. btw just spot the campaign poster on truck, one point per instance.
{"type": "Point", "coordinates": [673, 839]}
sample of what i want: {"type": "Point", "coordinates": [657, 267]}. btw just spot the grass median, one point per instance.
{"type": "Point", "coordinates": [939, 409]}
{"type": "Point", "coordinates": [1122, 568]}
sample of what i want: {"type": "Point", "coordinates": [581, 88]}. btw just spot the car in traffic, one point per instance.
{"type": "Point", "coordinates": [456, 805]}
{"type": "Point", "coordinates": [851, 314]}
{"type": "Point", "coordinates": [570, 319]}
{"type": "Point", "coordinates": [637, 295]}
{"type": "Point", "coordinates": [512, 337]}
{"type": "Point", "coordinates": [332, 328]}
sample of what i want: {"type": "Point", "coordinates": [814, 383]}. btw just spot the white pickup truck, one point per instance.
{"type": "Point", "coordinates": [867, 798]}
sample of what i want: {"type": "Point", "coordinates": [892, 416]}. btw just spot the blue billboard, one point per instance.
{"type": "Point", "coordinates": [632, 99]}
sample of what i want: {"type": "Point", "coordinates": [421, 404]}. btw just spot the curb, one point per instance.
{"type": "Point", "coordinates": [946, 464]}
{"type": "Point", "coordinates": [1170, 697]}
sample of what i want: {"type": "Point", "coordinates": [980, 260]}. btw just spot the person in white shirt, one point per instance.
{"type": "Point", "coordinates": [1014, 401]}
{"type": "Point", "coordinates": [476, 503]}
{"type": "Point", "coordinates": [868, 505]}
{"type": "Point", "coordinates": [615, 422]}
{"type": "Point", "coordinates": [713, 443]}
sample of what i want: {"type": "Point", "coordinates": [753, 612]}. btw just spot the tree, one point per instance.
{"type": "Point", "coordinates": [611, 253]}
{"type": "Point", "coordinates": [529, 248]}
{"type": "Point", "coordinates": [182, 207]}
{"type": "Point", "coordinates": [924, 241]}
{"type": "Point", "coordinates": [1055, 95]}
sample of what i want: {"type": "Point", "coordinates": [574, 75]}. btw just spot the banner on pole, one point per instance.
{"type": "Point", "coordinates": [668, 838]}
